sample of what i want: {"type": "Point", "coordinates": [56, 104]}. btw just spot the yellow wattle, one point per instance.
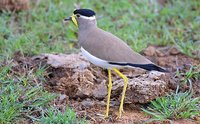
{"type": "Point", "coordinates": [74, 20]}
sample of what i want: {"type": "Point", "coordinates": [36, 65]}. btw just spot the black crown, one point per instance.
{"type": "Point", "coordinates": [85, 12]}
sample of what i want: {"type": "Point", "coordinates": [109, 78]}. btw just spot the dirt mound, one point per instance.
{"type": "Point", "coordinates": [14, 5]}
{"type": "Point", "coordinates": [83, 86]}
{"type": "Point", "coordinates": [74, 76]}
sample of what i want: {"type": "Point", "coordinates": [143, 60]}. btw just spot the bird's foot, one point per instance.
{"type": "Point", "coordinates": [121, 110]}
{"type": "Point", "coordinates": [106, 116]}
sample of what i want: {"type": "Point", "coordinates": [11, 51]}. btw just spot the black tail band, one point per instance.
{"type": "Point", "coordinates": [149, 67]}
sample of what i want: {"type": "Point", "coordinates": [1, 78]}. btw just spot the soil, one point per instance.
{"type": "Point", "coordinates": [14, 5]}
{"type": "Point", "coordinates": [66, 82]}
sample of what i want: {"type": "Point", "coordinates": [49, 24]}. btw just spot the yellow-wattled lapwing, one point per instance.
{"type": "Point", "coordinates": [106, 50]}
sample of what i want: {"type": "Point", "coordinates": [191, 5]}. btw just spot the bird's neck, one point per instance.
{"type": "Point", "coordinates": [84, 33]}
{"type": "Point", "coordinates": [87, 25]}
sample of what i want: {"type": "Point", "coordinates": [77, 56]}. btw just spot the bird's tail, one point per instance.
{"type": "Point", "coordinates": [149, 67]}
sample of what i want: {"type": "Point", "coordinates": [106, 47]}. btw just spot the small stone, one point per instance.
{"type": "Point", "coordinates": [150, 51]}
{"type": "Point", "coordinates": [159, 53]}
{"type": "Point", "coordinates": [161, 61]}
{"type": "Point", "coordinates": [100, 92]}
{"type": "Point", "coordinates": [155, 75]}
{"type": "Point", "coordinates": [174, 51]}
{"type": "Point", "coordinates": [63, 96]}
{"type": "Point", "coordinates": [87, 103]}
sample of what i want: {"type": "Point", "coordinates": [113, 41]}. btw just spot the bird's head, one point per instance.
{"type": "Point", "coordinates": [82, 17]}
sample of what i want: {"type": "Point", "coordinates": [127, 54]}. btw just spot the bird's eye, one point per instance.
{"type": "Point", "coordinates": [78, 15]}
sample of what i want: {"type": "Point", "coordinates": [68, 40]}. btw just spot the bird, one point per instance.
{"type": "Point", "coordinates": [107, 51]}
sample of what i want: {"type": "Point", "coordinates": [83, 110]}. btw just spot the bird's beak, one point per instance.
{"type": "Point", "coordinates": [73, 19]}
{"type": "Point", "coordinates": [67, 19]}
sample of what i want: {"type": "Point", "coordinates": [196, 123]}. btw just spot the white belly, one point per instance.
{"type": "Point", "coordinates": [97, 61]}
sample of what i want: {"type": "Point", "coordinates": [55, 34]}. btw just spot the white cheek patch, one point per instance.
{"type": "Point", "coordinates": [88, 18]}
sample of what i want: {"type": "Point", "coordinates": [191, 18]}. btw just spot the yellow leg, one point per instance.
{"type": "Point", "coordinates": [124, 90]}
{"type": "Point", "coordinates": [109, 92]}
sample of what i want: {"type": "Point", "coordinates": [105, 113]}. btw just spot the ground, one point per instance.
{"type": "Point", "coordinates": [60, 79]}
{"type": "Point", "coordinates": [35, 91]}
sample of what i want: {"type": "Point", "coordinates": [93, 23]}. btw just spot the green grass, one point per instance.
{"type": "Point", "coordinates": [40, 30]}
{"type": "Point", "coordinates": [23, 96]}
{"type": "Point", "coordinates": [18, 101]}
{"type": "Point", "coordinates": [19, 96]}
{"type": "Point", "coordinates": [9, 106]}
{"type": "Point", "coordinates": [54, 116]}
{"type": "Point", "coordinates": [190, 76]}
{"type": "Point", "coordinates": [175, 106]}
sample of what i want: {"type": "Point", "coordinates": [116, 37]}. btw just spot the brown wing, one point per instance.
{"type": "Point", "coordinates": [106, 46]}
